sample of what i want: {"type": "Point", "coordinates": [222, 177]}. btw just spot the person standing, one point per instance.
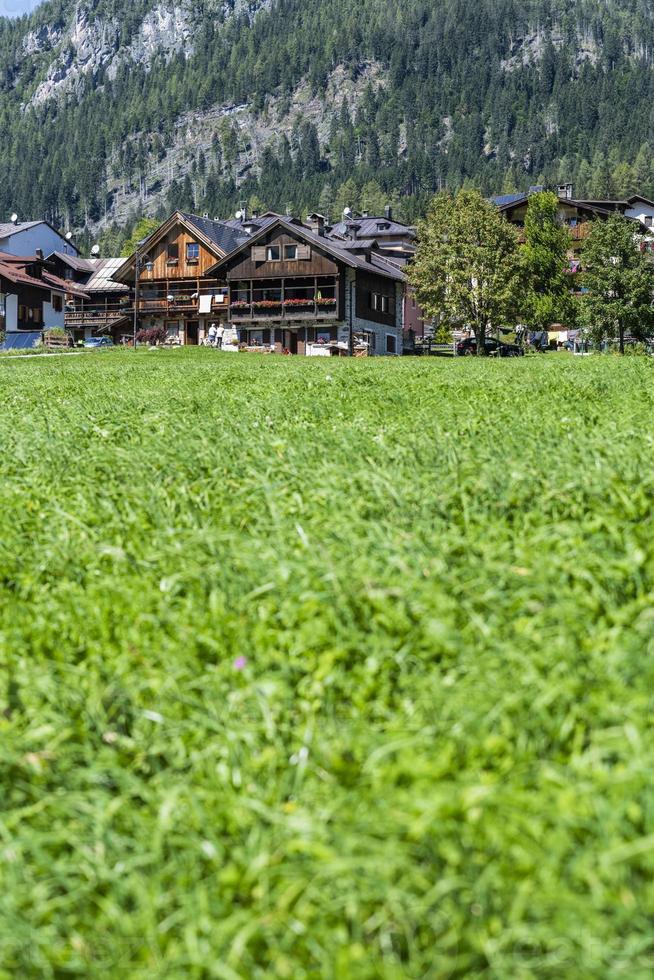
{"type": "Point", "coordinates": [220, 333]}
{"type": "Point", "coordinates": [211, 336]}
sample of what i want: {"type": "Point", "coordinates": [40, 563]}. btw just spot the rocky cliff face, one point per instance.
{"type": "Point", "coordinates": [108, 102]}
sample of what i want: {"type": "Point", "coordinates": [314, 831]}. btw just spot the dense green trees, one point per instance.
{"type": "Point", "coordinates": [492, 95]}
{"type": "Point", "coordinates": [546, 288]}
{"type": "Point", "coordinates": [467, 268]}
{"type": "Point", "coordinates": [618, 283]}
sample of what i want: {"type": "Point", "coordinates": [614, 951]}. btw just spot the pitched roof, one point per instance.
{"type": "Point", "coordinates": [101, 281]}
{"type": "Point", "coordinates": [220, 237]}
{"type": "Point", "coordinates": [369, 227]}
{"type": "Point", "coordinates": [8, 228]}
{"type": "Point", "coordinates": [12, 267]}
{"type": "Point", "coordinates": [332, 247]}
{"type": "Point", "coordinates": [75, 262]}
{"type": "Point", "coordinates": [222, 233]}
{"type": "Point", "coordinates": [501, 200]}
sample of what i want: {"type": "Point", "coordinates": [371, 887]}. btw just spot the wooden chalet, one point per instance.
{"type": "Point", "coordinates": [292, 288]}
{"type": "Point", "coordinates": [175, 287]}
{"type": "Point", "coordinates": [106, 306]}
{"type": "Point", "coordinates": [32, 298]}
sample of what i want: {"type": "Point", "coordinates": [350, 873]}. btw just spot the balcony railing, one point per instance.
{"type": "Point", "coordinates": [284, 302]}
{"type": "Point", "coordinates": [287, 310]}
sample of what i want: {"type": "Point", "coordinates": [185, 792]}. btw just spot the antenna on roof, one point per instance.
{"type": "Point", "coordinates": [14, 218]}
{"type": "Point", "coordinates": [95, 250]}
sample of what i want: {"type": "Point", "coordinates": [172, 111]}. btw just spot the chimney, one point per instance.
{"type": "Point", "coordinates": [565, 191]}
{"type": "Point", "coordinates": [388, 212]}
{"type": "Point", "coordinates": [352, 230]}
{"type": "Point", "coordinates": [39, 254]}
{"type": "Point", "coordinates": [364, 214]}
{"type": "Point", "coordinates": [316, 223]}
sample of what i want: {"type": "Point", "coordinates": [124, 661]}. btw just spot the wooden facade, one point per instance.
{"type": "Point", "coordinates": [375, 299]}
{"type": "Point", "coordinates": [179, 254]}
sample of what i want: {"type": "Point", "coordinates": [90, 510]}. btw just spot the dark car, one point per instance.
{"type": "Point", "coordinates": [95, 342]}
{"type": "Point", "coordinates": [494, 348]}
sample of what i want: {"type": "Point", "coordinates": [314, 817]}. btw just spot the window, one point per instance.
{"type": "Point", "coordinates": [192, 251]}
{"type": "Point", "coordinates": [255, 338]}
{"type": "Point", "coordinates": [172, 252]}
{"type": "Point", "coordinates": [648, 220]}
{"type": "Point", "coordinates": [413, 302]}
{"type": "Point", "coordinates": [3, 302]}
{"type": "Point", "coordinates": [273, 253]}
{"type": "Point", "coordinates": [384, 304]}
{"type": "Point", "coordinates": [391, 343]}
{"type": "Point", "coordinates": [290, 251]}
{"type": "Point", "coordinates": [323, 336]}
{"type": "Point", "coordinates": [57, 304]}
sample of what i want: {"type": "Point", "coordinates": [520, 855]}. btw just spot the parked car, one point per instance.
{"type": "Point", "coordinates": [94, 342]}
{"type": "Point", "coordinates": [493, 347]}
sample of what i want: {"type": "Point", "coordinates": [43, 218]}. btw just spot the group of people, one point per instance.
{"type": "Point", "coordinates": [215, 335]}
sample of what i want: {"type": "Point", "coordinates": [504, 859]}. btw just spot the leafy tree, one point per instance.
{"type": "Point", "coordinates": [547, 298]}
{"type": "Point", "coordinates": [142, 229]}
{"type": "Point", "coordinates": [467, 267]}
{"type": "Point", "coordinates": [619, 282]}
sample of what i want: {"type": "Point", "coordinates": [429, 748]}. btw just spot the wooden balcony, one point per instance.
{"type": "Point", "coordinates": [95, 318]}
{"type": "Point", "coordinates": [253, 312]}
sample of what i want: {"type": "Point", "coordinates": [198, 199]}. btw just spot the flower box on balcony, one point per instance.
{"type": "Point", "coordinates": [267, 304]}
{"type": "Point", "coordinates": [239, 304]}
{"type": "Point", "coordinates": [326, 301]}
{"type": "Point", "coordinates": [298, 303]}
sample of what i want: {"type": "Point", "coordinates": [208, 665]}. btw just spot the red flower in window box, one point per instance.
{"type": "Point", "coordinates": [326, 301]}
{"type": "Point", "coordinates": [298, 303]}
{"type": "Point", "coordinates": [239, 304]}
{"type": "Point", "coordinates": [267, 304]}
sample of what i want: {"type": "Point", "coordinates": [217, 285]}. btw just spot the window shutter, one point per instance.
{"type": "Point", "coordinates": [259, 253]}
{"type": "Point", "coordinates": [304, 251]}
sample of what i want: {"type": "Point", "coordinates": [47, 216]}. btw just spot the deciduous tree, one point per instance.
{"type": "Point", "coordinates": [467, 268]}
{"type": "Point", "coordinates": [619, 280]}
{"type": "Point", "coordinates": [547, 294]}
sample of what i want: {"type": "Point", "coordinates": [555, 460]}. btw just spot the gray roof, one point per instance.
{"type": "Point", "coordinates": [8, 228]}
{"type": "Point", "coordinates": [358, 243]}
{"type": "Point", "coordinates": [333, 246]}
{"type": "Point", "coordinates": [224, 234]}
{"type": "Point", "coordinates": [74, 261]}
{"type": "Point", "coordinates": [370, 227]}
{"type": "Point", "coordinates": [101, 281]}
{"type": "Point", "coordinates": [503, 199]}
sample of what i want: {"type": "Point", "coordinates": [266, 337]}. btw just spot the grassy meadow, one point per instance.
{"type": "Point", "coordinates": [326, 669]}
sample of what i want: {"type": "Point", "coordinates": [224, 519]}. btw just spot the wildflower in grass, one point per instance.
{"type": "Point", "coordinates": [240, 663]}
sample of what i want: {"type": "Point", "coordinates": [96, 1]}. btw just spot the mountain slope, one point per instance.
{"type": "Point", "coordinates": [110, 108]}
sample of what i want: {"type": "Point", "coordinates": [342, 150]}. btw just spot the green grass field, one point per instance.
{"type": "Point", "coordinates": [320, 669]}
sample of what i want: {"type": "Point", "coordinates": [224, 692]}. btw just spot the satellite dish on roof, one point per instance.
{"type": "Point", "coordinates": [238, 215]}
{"type": "Point", "coordinates": [347, 212]}
{"type": "Point", "coordinates": [95, 250]}
{"type": "Point", "coordinates": [14, 218]}
{"type": "Point", "coordinates": [69, 235]}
